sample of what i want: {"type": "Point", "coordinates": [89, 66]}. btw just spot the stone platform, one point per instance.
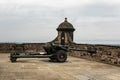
{"type": "Point", "coordinates": [42, 69]}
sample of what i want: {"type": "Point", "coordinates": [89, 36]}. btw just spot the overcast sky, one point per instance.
{"type": "Point", "coordinates": [95, 21]}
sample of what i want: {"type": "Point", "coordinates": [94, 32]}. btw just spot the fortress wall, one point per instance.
{"type": "Point", "coordinates": [29, 47]}
{"type": "Point", "coordinates": [105, 53]}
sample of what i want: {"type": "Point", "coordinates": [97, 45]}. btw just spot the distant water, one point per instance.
{"type": "Point", "coordinates": [102, 42]}
{"type": "Point", "coordinates": [99, 42]}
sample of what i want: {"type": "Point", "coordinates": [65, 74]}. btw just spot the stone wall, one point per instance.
{"type": "Point", "coordinates": [28, 47]}
{"type": "Point", "coordinates": [105, 53]}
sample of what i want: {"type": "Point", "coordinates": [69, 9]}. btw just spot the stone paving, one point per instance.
{"type": "Point", "coordinates": [42, 69]}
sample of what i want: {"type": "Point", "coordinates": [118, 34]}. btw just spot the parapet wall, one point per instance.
{"type": "Point", "coordinates": [105, 53]}
{"type": "Point", "coordinates": [30, 47]}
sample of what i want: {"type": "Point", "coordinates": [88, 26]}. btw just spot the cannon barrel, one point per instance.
{"type": "Point", "coordinates": [56, 47]}
{"type": "Point", "coordinates": [77, 49]}
{"type": "Point", "coordinates": [90, 50]}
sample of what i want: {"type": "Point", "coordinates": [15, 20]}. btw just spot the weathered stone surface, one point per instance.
{"type": "Point", "coordinates": [28, 47]}
{"type": "Point", "coordinates": [106, 54]}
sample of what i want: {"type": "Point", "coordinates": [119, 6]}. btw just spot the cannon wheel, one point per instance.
{"type": "Point", "coordinates": [12, 59]}
{"type": "Point", "coordinates": [61, 56]}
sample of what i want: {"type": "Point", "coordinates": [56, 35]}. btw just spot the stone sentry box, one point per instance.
{"type": "Point", "coordinates": [65, 33]}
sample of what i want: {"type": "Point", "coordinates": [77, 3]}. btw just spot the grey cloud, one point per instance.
{"type": "Point", "coordinates": [22, 23]}
{"type": "Point", "coordinates": [102, 10]}
{"type": "Point", "coordinates": [95, 10]}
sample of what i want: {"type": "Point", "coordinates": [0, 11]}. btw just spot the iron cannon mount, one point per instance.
{"type": "Point", "coordinates": [55, 52]}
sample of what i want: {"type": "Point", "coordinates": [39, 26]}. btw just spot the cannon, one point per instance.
{"type": "Point", "coordinates": [55, 52]}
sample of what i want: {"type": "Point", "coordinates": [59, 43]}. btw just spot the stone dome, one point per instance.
{"type": "Point", "coordinates": [65, 26]}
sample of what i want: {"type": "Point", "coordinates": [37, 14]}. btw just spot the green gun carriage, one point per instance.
{"type": "Point", "coordinates": [55, 52]}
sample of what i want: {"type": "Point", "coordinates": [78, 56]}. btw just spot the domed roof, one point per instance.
{"type": "Point", "coordinates": [65, 26]}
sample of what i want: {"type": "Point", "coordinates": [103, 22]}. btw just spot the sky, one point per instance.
{"type": "Point", "coordinates": [95, 21]}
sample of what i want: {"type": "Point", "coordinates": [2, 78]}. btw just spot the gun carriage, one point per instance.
{"type": "Point", "coordinates": [53, 51]}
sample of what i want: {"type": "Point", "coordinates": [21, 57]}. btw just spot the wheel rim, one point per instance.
{"type": "Point", "coordinates": [62, 56]}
